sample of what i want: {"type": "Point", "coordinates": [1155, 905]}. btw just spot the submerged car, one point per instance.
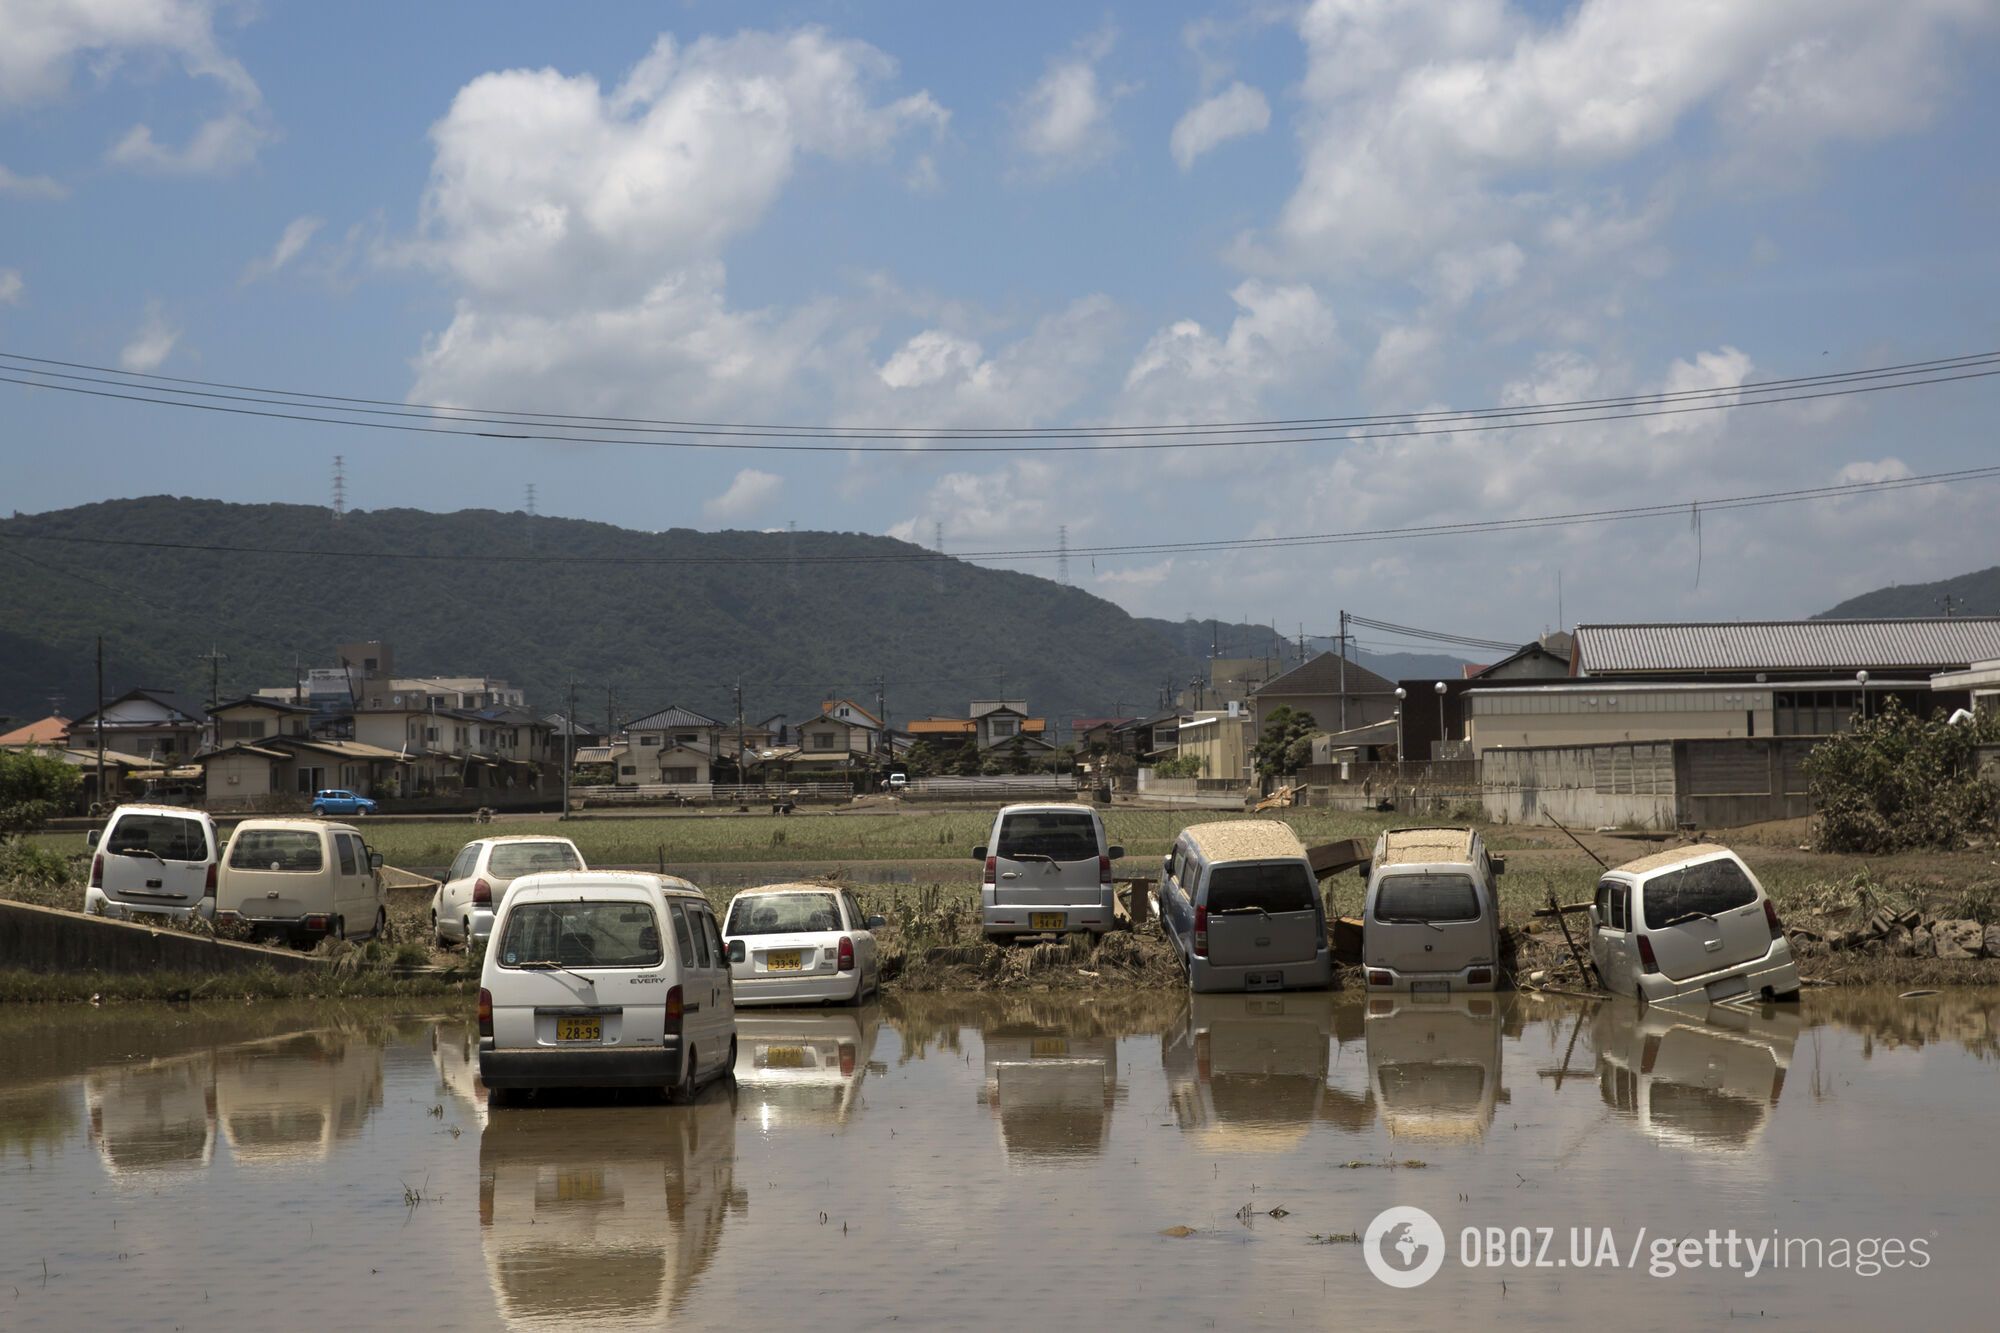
{"type": "Point", "coordinates": [1240, 907]}
{"type": "Point", "coordinates": [1431, 920]}
{"type": "Point", "coordinates": [800, 944]}
{"type": "Point", "coordinates": [1047, 870]}
{"type": "Point", "coordinates": [1689, 925]}
{"type": "Point", "coordinates": [464, 905]}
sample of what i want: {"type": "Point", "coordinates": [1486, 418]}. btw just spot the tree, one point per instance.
{"type": "Point", "coordinates": [1286, 745]}
{"type": "Point", "coordinates": [1181, 766]}
{"type": "Point", "coordinates": [33, 788]}
{"type": "Point", "coordinates": [1899, 783]}
{"type": "Point", "coordinates": [921, 760]}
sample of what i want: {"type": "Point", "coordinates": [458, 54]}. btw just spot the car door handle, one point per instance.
{"type": "Point", "coordinates": [1711, 945]}
{"type": "Point", "coordinates": [694, 1008]}
{"type": "Point", "coordinates": [1010, 874]}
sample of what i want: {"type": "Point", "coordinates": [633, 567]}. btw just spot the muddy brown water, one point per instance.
{"type": "Point", "coordinates": [1013, 1161]}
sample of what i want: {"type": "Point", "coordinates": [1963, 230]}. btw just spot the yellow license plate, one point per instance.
{"type": "Point", "coordinates": [1047, 920]}
{"type": "Point", "coordinates": [782, 960]}
{"type": "Point", "coordinates": [590, 1028]}
{"type": "Point", "coordinates": [1048, 1046]}
{"type": "Point", "coordinates": [785, 1057]}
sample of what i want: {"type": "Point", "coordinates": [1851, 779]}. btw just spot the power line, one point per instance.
{"type": "Point", "coordinates": [1581, 518]}
{"type": "Point", "coordinates": [521, 416]}
{"type": "Point", "coordinates": [1401, 426]}
{"type": "Point", "coordinates": [1433, 636]}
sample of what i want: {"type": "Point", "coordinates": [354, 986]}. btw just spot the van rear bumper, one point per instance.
{"type": "Point", "coordinates": [96, 902]}
{"type": "Point", "coordinates": [589, 1067]}
{"type": "Point", "coordinates": [1094, 914]}
{"type": "Point", "coordinates": [1452, 983]}
{"type": "Point", "coordinates": [1206, 978]}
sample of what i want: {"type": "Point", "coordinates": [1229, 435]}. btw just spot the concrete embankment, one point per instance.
{"type": "Point", "coordinates": [44, 939]}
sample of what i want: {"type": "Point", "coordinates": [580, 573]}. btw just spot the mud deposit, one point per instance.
{"type": "Point", "coordinates": [976, 1161]}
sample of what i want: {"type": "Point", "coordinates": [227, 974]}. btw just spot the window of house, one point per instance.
{"type": "Point", "coordinates": [822, 740]}
{"type": "Point", "coordinates": [649, 740]}
{"type": "Point", "coordinates": [1003, 726]}
{"type": "Point", "coordinates": [626, 770]}
{"type": "Point", "coordinates": [687, 738]}
{"type": "Point", "coordinates": [679, 774]}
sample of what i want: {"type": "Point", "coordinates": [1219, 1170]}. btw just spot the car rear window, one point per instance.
{"type": "Point", "coordinates": [1060, 835]}
{"type": "Point", "coordinates": [1709, 888]}
{"type": "Point", "coordinates": [1419, 896]}
{"type": "Point", "coordinates": [1268, 888]}
{"type": "Point", "coordinates": [584, 934]}
{"type": "Point", "coordinates": [280, 849]}
{"type": "Point", "coordinates": [510, 860]}
{"type": "Point", "coordinates": [166, 836]}
{"type": "Point", "coordinates": [783, 914]}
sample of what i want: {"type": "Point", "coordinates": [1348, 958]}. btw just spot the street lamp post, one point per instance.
{"type": "Point", "coordinates": [1861, 678]}
{"type": "Point", "coordinates": [1439, 688]}
{"type": "Point", "coordinates": [1401, 694]}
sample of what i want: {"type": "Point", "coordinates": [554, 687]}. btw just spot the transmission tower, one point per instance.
{"type": "Point", "coordinates": [339, 486]}
{"type": "Point", "coordinates": [529, 503]}
{"type": "Point", "coordinates": [937, 541]}
{"type": "Point", "coordinates": [1062, 555]}
{"type": "Point", "coordinates": [792, 553]}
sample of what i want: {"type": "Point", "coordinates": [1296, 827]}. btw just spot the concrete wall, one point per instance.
{"type": "Point", "coordinates": [1561, 717]}
{"type": "Point", "coordinates": [42, 939]}
{"type": "Point", "coordinates": [1586, 786]}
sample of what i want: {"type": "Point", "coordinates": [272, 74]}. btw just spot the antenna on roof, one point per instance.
{"type": "Point", "coordinates": [339, 486]}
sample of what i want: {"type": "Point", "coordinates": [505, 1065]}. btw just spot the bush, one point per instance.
{"type": "Point", "coordinates": [33, 789]}
{"type": "Point", "coordinates": [1180, 766]}
{"type": "Point", "coordinates": [1897, 783]}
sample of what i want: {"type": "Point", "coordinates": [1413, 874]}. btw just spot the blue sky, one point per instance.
{"type": "Point", "coordinates": [1041, 215]}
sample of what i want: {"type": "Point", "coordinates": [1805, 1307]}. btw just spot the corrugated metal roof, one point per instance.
{"type": "Point", "coordinates": [1942, 644]}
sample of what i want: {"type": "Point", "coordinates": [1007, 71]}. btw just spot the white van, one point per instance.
{"type": "Point", "coordinates": [1046, 869]}
{"type": "Point", "coordinates": [605, 979]}
{"type": "Point", "coordinates": [301, 880]}
{"type": "Point", "coordinates": [1241, 907]}
{"type": "Point", "coordinates": [154, 859]}
{"type": "Point", "coordinates": [1431, 921]}
{"type": "Point", "coordinates": [1689, 924]}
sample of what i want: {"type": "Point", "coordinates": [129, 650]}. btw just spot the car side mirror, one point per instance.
{"type": "Point", "coordinates": [375, 862]}
{"type": "Point", "coordinates": [1167, 864]}
{"type": "Point", "coordinates": [738, 951]}
{"type": "Point", "coordinates": [1363, 869]}
{"type": "Point", "coordinates": [1594, 921]}
{"type": "Point", "coordinates": [1499, 864]}
{"type": "Point", "coordinates": [1115, 853]}
{"type": "Point", "coordinates": [93, 836]}
{"type": "Point", "coordinates": [875, 922]}
{"type": "Point", "coordinates": [979, 852]}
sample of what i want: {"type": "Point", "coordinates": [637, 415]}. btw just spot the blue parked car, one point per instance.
{"type": "Point", "coordinates": [341, 803]}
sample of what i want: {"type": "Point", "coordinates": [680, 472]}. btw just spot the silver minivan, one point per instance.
{"type": "Point", "coordinates": [1047, 869]}
{"type": "Point", "coordinates": [1241, 907]}
{"type": "Point", "coordinates": [1431, 920]}
{"type": "Point", "coordinates": [1690, 924]}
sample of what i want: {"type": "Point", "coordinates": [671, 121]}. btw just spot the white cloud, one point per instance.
{"type": "Point", "coordinates": [45, 41]}
{"type": "Point", "coordinates": [31, 187]}
{"type": "Point", "coordinates": [1020, 503]}
{"type": "Point", "coordinates": [11, 286]}
{"type": "Point", "coordinates": [943, 378]}
{"type": "Point", "coordinates": [1460, 275]}
{"type": "Point", "coordinates": [1064, 120]}
{"type": "Point", "coordinates": [1143, 576]}
{"type": "Point", "coordinates": [1236, 111]}
{"type": "Point", "coordinates": [1724, 368]}
{"type": "Point", "coordinates": [297, 235]}
{"type": "Point", "coordinates": [1186, 373]}
{"type": "Point", "coordinates": [749, 492]}
{"type": "Point", "coordinates": [151, 345]}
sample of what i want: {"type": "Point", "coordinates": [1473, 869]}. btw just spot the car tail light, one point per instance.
{"type": "Point", "coordinates": [1381, 1004]}
{"type": "Point", "coordinates": [482, 892]}
{"type": "Point", "coordinates": [1771, 917]}
{"type": "Point", "coordinates": [226, 917]}
{"type": "Point", "coordinates": [847, 1059]}
{"type": "Point", "coordinates": [992, 871]}
{"type": "Point", "coordinates": [1647, 962]}
{"type": "Point", "coordinates": [1777, 1083]}
{"type": "Point", "coordinates": [208, 884]}
{"type": "Point", "coordinates": [315, 923]}
{"type": "Point", "coordinates": [1204, 1058]}
{"type": "Point", "coordinates": [1201, 932]}
{"type": "Point", "coordinates": [485, 1012]}
{"type": "Point", "coordinates": [97, 871]}
{"type": "Point", "coordinates": [1479, 976]}
{"type": "Point", "coordinates": [1649, 1054]}
{"type": "Point", "coordinates": [846, 954]}
{"type": "Point", "coordinates": [676, 1010]}
{"type": "Point", "coordinates": [1104, 871]}
{"type": "Point", "coordinates": [1379, 978]}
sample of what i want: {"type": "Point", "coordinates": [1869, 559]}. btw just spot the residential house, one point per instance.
{"type": "Point", "coordinates": [671, 745]}
{"type": "Point", "coordinates": [254, 719]}
{"type": "Point", "coordinates": [1221, 739]}
{"type": "Point", "coordinates": [830, 735]}
{"type": "Point", "coordinates": [241, 773]}
{"type": "Point", "coordinates": [1000, 720]}
{"type": "Point", "coordinates": [156, 724]}
{"type": "Point", "coordinates": [1097, 734]}
{"type": "Point", "coordinates": [1339, 694]}
{"type": "Point", "coordinates": [51, 731]}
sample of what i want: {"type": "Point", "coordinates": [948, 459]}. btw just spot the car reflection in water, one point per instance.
{"type": "Point", "coordinates": [1435, 1064]}
{"type": "Point", "coordinates": [291, 1099]}
{"type": "Point", "coordinates": [153, 1117]}
{"type": "Point", "coordinates": [1703, 1079]}
{"type": "Point", "coordinates": [455, 1052]}
{"type": "Point", "coordinates": [595, 1216]}
{"type": "Point", "coordinates": [1050, 1088]}
{"type": "Point", "coordinates": [804, 1064]}
{"type": "Point", "coordinates": [1249, 1072]}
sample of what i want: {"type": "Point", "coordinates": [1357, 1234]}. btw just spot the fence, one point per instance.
{"type": "Point", "coordinates": [1007, 788]}
{"type": "Point", "coordinates": [711, 793]}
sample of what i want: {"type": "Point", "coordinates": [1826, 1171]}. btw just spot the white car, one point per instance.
{"type": "Point", "coordinates": [801, 944]}
{"type": "Point", "coordinates": [463, 906]}
{"type": "Point", "coordinates": [154, 859]}
{"type": "Point", "coordinates": [605, 979]}
{"type": "Point", "coordinates": [1690, 925]}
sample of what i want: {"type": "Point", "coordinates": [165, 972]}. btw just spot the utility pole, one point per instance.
{"type": "Point", "coordinates": [610, 707]}
{"type": "Point", "coordinates": [881, 717]}
{"type": "Point", "coordinates": [215, 657]}
{"type": "Point", "coordinates": [739, 733]}
{"type": "Point", "coordinates": [100, 719]}
{"type": "Point", "coordinates": [1343, 671]}
{"type": "Point", "coordinates": [569, 746]}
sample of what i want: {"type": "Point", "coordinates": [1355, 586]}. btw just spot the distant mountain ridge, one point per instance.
{"type": "Point", "coordinates": [1976, 594]}
{"type": "Point", "coordinates": [675, 617]}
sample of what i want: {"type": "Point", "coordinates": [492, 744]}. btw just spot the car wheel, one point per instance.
{"type": "Point", "coordinates": [381, 923]}
{"type": "Point", "coordinates": [437, 936]}
{"type": "Point", "coordinates": [729, 1070]}
{"type": "Point", "coordinates": [465, 932]}
{"type": "Point", "coordinates": [339, 931]}
{"type": "Point", "coordinates": [683, 1091]}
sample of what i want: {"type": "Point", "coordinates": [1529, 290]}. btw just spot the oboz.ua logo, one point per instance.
{"type": "Point", "coordinates": [1404, 1246]}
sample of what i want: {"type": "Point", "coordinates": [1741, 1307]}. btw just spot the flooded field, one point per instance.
{"type": "Point", "coordinates": [976, 1162]}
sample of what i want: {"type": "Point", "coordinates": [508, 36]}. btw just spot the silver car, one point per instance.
{"type": "Point", "coordinates": [1046, 870]}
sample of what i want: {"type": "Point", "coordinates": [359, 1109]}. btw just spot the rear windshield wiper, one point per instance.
{"type": "Point", "coordinates": [1027, 856]}
{"type": "Point", "coordinates": [550, 965]}
{"type": "Point", "coordinates": [1689, 916]}
{"type": "Point", "coordinates": [139, 851]}
{"type": "Point", "coordinates": [1239, 911]}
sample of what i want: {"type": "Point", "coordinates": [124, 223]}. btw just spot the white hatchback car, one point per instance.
{"type": "Point", "coordinates": [154, 859]}
{"type": "Point", "coordinates": [605, 979]}
{"type": "Point", "coordinates": [463, 906]}
{"type": "Point", "coordinates": [801, 944]}
{"type": "Point", "coordinates": [1690, 925]}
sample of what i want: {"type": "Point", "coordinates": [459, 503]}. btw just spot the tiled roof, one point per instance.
{"type": "Point", "coordinates": [670, 718]}
{"type": "Point", "coordinates": [1942, 644]}
{"type": "Point", "coordinates": [942, 726]}
{"type": "Point", "coordinates": [50, 730]}
{"type": "Point", "coordinates": [1322, 675]}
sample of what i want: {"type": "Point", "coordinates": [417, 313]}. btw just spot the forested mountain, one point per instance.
{"type": "Point", "coordinates": [1966, 595]}
{"type": "Point", "coordinates": [669, 617]}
